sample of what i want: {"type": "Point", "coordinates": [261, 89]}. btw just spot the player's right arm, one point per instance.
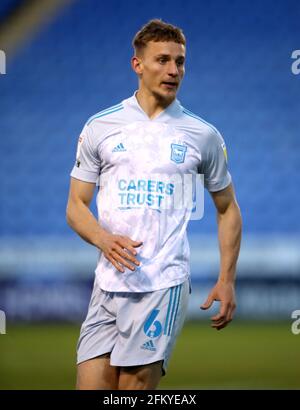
{"type": "Point", "coordinates": [119, 250]}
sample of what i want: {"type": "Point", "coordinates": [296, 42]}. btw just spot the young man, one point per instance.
{"type": "Point", "coordinates": [141, 288]}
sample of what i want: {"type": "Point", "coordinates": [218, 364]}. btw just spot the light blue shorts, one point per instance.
{"type": "Point", "coordinates": [135, 328]}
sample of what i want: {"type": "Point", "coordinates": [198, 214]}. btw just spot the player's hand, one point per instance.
{"type": "Point", "coordinates": [120, 250]}
{"type": "Point", "coordinates": [223, 292]}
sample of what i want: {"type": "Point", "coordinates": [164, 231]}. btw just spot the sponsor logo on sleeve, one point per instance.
{"type": "Point", "coordinates": [225, 151]}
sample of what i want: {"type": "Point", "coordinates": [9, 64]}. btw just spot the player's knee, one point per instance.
{"type": "Point", "coordinates": [139, 381]}
{"type": "Point", "coordinates": [142, 378]}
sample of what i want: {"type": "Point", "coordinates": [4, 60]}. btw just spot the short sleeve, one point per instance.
{"type": "Point", "coordinates": [87, 165]}
{"type": "Point", "coordinates": [215, 169]}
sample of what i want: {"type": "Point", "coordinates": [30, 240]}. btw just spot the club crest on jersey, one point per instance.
{"type": "Point", "coordinates": [178, 153]}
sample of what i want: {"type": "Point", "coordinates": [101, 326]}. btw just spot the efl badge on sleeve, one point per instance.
{"type": "Point", "coordinates": [178, 153]}
{"type": "Point", "coordinates": [78, 151]}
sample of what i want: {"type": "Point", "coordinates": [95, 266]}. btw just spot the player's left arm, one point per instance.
{"type": "Point", "coordinates": [229, 235]}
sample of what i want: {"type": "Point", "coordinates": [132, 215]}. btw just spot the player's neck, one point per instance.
{"type": "Point", "coordinates": [150, 104]}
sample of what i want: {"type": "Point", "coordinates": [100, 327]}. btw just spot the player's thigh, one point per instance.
{"type": "Point", "coordinates": [145, 377]}
{"type": "Point", "coordinates": [97, 374]}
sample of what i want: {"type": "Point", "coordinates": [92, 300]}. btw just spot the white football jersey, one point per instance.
{"type": "Point", "coordinates": [140, 165]}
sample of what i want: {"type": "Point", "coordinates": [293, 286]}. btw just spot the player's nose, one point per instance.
{"type": "Point", "coordinates": [173, 69]}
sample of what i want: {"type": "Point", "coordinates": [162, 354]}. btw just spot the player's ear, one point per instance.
{"type": "Point", "coordinates": [136, 65]}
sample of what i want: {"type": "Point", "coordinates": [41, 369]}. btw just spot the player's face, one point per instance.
{"type": "Point", "coordinates": [162, 68]}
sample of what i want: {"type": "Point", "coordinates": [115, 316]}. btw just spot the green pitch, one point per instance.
{"type": "Point", "coordinates": [244, 355]}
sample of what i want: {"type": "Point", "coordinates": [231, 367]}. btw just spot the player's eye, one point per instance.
{"type": "Point", "coordinates": [162, 60]}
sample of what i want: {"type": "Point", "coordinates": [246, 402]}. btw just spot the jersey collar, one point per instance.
{"type": "Point", "coordinates": [171, 110]}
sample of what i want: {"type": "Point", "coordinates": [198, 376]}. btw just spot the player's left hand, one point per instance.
{"type": "Point", "coordinates": [225, 294]}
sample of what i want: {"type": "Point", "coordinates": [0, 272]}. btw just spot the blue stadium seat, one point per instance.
{"type": "Point", "coordinates": [238, 78]}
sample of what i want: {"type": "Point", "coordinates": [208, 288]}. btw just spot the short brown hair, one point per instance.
{"type": "Point", "coordinates": [157, 30]}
